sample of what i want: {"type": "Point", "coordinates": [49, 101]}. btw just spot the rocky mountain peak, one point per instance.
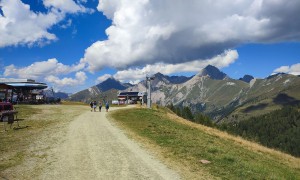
{"type": "Point", "coordinates": [212, 72]}
{"type": "Point", "coordinates": [247, 78]}
{"type": "Point", "coordinates": [171, 79]}
{"type": "Point", "coordinates": [275, 75]}
{"type": "Point", "coordinates": [110, 83]}
{"type": "Point", "coordinates": [159, 76]}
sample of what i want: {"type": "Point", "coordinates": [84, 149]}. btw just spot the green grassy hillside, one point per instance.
{"type": "Point", "coordinates": [184, 144]}
{"type": "Point", "coordinates": [279, 129]}
{"type": "Point", "coordinates": [224, 100]}
{"type": "Point", "coordinates": [266, 96]}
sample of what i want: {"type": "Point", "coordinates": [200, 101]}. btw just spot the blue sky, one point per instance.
{"type": "Point", "coordinates": [72, 45]}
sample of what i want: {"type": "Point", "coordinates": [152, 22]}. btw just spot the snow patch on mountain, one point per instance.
{"type": "Point", "coordinates": [286, 82]}
{"type": "Point", "coordinates": [230, 83]}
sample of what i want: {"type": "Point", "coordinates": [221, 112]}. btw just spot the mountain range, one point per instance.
{"type": "Point", "coordinates": [211, 92]}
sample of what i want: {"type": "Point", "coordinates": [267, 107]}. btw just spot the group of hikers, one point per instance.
{"type": "Point", "coordinates": [93, 105]}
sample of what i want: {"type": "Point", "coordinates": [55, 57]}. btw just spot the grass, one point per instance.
{"type": "Point", "coordinates": [12, 141]}
{"type": "Point", "coordinates": [20, 143]}
{"type": "Point", "coordinates": [185, 144]}
{"type": "Point", "coordinates": [115, 105]}
{"type": "Point", "coordinates": [73, 103]}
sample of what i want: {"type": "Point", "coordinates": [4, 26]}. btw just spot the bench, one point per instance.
{"type": "Point", "coordinates": [9, 116]}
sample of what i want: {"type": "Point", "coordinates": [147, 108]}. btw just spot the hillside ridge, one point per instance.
{"type": "Point", "coordinates": [211, 92]}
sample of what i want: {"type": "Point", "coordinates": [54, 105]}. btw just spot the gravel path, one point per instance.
{"type": "Point", "coordinates": [93, 148]}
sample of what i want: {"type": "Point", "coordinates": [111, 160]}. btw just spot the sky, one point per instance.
{"type": "Point", "coordinates": [75, 44]}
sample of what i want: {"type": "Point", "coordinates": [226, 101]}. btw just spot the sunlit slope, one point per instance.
{"type": "Point", "coordinates": [184, 144]}
{"type": "Point", "coordinates": [224, 99]}
{"type": "Point", "coordinates": [266, 95]}
{"type": "Point", "coordinates": [208, 95]}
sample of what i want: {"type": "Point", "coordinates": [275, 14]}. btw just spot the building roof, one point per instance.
{"type": "Point", "coordinates": [23, 83]}
{"type": "Point", "coordinates": [131, 94]}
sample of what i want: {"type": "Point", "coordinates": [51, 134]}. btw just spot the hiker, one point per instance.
{"type": "Point", "coordinates": [94, 105]}
{"type": "Point", "coordinates": [91, 104]}
{"type": "Point", "coordinates": [106, 106]}
{"type": "Point", "coordinates": [100, 106]}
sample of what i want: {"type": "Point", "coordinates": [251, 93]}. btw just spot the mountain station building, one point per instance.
{"type": "Point", "coordinates": [132, 97]}
{"type": "Point", "coordinates": [21, 90]}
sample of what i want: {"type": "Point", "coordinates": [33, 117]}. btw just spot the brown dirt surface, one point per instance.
{"type": "Point", "coordinates": [87, 147]}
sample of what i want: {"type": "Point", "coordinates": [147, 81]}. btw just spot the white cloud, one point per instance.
{"type": "Point", "coordinates": [148, 32]}
{"type": "Point", "coordinates": [103, 78]}
{"type": "Point", "coordinates": [293, 69]}
{"type": "Point", "coordinates": [50, 71]}
{"type": "Point", "coordinates": [136, 74]}
{"type": "Point", "coordinates": [21, 26]}
{"type": "Point", "coordinates": [82, 1]}
{"type": "Point", "coordinates": [79, 79]}
{"type": "Point", "coordinates": [67, 24]}
{"type": "Point", "coordinates": [67, 6]}
{"type": "Point", "coordinates": [41, 69]}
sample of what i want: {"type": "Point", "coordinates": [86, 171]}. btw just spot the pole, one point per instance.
{"type": "Point", "coordinates": [149, 93]}
{"type": "Point", "coordinates": [149, 79]}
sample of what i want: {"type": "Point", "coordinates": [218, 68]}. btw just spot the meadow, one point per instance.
{"type": "Point", "coordinates": [185, 145]}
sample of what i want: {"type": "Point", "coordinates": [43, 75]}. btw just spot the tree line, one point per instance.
{"type": "Point", "coordinates": [186, 113]}
{"type": "Point", "coordinates": [279, 129]}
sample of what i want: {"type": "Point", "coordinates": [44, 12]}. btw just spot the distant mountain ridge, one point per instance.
{"type": "Point", "coordinates": [61, 95]}
{"type": "Point", "coordinates": [211, 92]}
{"type": "Point", "coordinates": [214, 93]}
{"type": "Point", "coordinates": [213, 73]}
{"type": "Point", "coordinates": [52, 94]}
{"type": "Point", "coordinates": [106, 90]}
{"type": "Point", "coordinates": [112, 83]}
{"type": "Point", "coordinates": [247, 78]}
{"type": "Point", "coordinates": [172, 79]}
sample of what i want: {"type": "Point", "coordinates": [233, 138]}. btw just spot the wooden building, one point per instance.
{"type": "Point", "coordinates": [21, 90]}
{"type": "Point", "coordinates": [132, 97]}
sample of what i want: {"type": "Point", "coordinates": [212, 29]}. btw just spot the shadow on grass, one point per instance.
{"type": "Point", "coordinates": [256, 107]}
{"type": "Point", "coordinates": [20, 127]}
{"type": "Point", "coordinates": [284, 99]}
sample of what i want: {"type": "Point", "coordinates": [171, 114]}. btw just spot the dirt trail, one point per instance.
{"type": "Point", "coordinates": [93, 148]}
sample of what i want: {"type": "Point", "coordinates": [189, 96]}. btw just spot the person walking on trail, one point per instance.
{"type": "Point", "coordinates": [100, 106]}
{"type": "Point", "coordinates": [106, 106]}
{"type": "Point", "coordinates": [91, 104]}
{"type": "Point", "coordinates": [94, 105]}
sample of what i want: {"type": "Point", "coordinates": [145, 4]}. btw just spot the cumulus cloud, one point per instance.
{"type": "Point", "coordinates": [79, 79]}
{"type": "Point", "coordinates": [41, 69]}
{"type": "Point", "coordinates": [67, 24]}
{"type": "Point", "coordinates": [67, 6]}
{"type": "Point", "coordinates": [293, 69]}
{"type": "Point", "coordinates": [20, 25]}
{"type": "Point", "coordinates": [103, 78]}
{"type": "Point", "coordinates": [137, 74]}
{"type": "Point", "coordinates": [161, 31]}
